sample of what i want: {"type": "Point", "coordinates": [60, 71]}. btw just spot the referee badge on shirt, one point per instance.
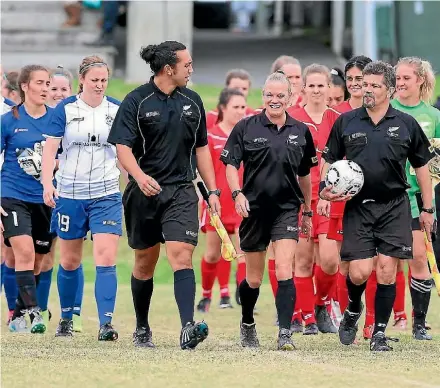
{"type": "Point", "coordinates": [109, 120]}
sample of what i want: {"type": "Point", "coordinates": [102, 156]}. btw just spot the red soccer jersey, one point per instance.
{"type": "Point", "coordinates": [337, 208]}
{"type": "Point", "coordinates": [212, 116]}
{"type": "Point", "coordinates": [216, 142]}
{"type": "Point", "coordinates": [320, 133]}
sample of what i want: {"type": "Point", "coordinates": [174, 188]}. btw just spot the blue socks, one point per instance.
{"type": "Point", "coordinates": [67, 282]}
{"type": "Point", "coordinates": [43, 289]}
{"type": "Point", "coordinates": [10, 284]}
{"type": "Point", "coordinates": [79, 292]}
{"type": "Point", "coordinates": [106, 286]}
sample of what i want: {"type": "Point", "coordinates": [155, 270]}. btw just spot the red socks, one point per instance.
{"type": "Point", "coordinates": [370, 298]}
{"type": "Point", "coordinates": [399, 302]}
{"type": "Point", "coordinates": [305, 296]}
{"type": "Point", "coordinates": [342, 292]}
{"type": "Point", "coordinates": [223, 275]}
{"type": "Point", "coordinates": [325, 284]}
{"type": "Point", "coordinates": [241, 272]}
{"type": "Point", "coordinates": [209, 272]}
{"type": "Point", "coordinates": [273, 277]}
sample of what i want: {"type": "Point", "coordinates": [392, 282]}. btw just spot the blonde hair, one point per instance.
{"type": "Point", "coordinates": [87, 63]}
{"type": "Point", "coordinates": [61, 71]}
{"type": "Point", "coordinates": [278, 76]}
{"type": "Point", "coordinates": [423, 70]}
{"type": "Point", "coordinates": [283, 60]}
{"type": "Point", "coordinates": [316, 68]}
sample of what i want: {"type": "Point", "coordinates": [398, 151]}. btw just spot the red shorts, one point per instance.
{"type": "Point", "coordinates": [205, 224]}
{"type": "Point", "coordinates": [335, 231]}
{"type": "Point", "coordinates": [320, 223]}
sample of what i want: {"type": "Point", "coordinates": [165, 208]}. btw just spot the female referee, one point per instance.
{"type": "Point", "coordinates": [415, 84]}
{"type": "Point", "coordinates": [87, 193]}
{"type": "Point", "coordinates": [277, 152]}
{"type": "Point", "coordinates": [231, 109]}
{"type": "Point", "coordinates": [25, 218]}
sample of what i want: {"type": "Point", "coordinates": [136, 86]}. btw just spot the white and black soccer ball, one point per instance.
{"type": "Point", "coordinates": [346, 177]}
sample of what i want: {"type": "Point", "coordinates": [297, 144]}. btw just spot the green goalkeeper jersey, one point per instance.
{"type": "Point", "coordinates": [428, 118]}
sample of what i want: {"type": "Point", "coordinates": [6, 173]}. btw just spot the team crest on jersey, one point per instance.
{"type": "Point", "coordinates": [292, 139]}
{"type": "Point", "coordinates": [109, 120]}
{"type": "Point", "coordinates": [393, 131]}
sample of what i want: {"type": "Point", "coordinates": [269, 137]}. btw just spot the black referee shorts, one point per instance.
{"type": "Point", "coordinates": [172, 215]}
{"type": "Point", "coordinates": [371, 228]}
{"type": "Point", "coordinates": [27, 219]}
{"type": "Point", "coordinates": [261, 227]}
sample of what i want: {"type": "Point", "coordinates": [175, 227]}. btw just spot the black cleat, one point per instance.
{"type": "Point", "coordinates": [311, 329]}
{"type": "Point", "coordinates": [323, 320]}
{"type": "Point", "coordinates": [349, 326]}
{"type": "Point", "coordinates": [296, 326]}
{"type": "Point", "coordinates": [420, 333]}
{"type": "Point", "coordinates": [65, 328]}
{"type": "Point", "coordinates": [143, 338]}
{"type": "Point", "coordinates": [192, 334]}
{"type": "Point", "coordinates": [107, 333]}
{"type": "Point", "coordinates": [225, 302]}
{"type": "Point", "coordinates": [204, 305]}
{"type": "Point", "coordinates": [248, 335]}
{"type": "Point", "coordinates": [284, 340]}
{"type": "Point", "coordinates": [379, 343]}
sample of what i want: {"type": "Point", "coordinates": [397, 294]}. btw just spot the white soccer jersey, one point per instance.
{"type": "Point", "coordinates": [87, 164]}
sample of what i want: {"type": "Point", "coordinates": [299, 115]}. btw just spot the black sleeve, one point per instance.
{"type": "Point", "coordinates": [202, 132]}
{"type": "Point", "coordinates": [335, 148]}
{"type": "Point", "coordinates": [420, 150]}
{"type": "Point", "coordinates": [309, 159]}
{"type": "Point", "coordinates": [125, 128]}
{"type": "Point", "coordinates": [234, 147]}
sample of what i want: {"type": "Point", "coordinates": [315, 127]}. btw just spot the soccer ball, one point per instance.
{"type": "Point", "coordinates": [346, 177]}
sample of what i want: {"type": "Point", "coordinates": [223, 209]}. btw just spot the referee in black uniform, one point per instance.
{"type": "Point", "coordinates": [277, 152]}
{"type": "Point", "coordinates": [161, 138]}
{"type": "Point", "coordinates": [378, 220]}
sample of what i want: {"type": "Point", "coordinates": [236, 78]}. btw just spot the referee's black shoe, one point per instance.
{"type": "Point", "coordinates": [143, 338]}
{"type": "Point", "coordinates": [65, 328]}
{"type": "Point", "coordinates": [248, 335]}
{"type": "Point", "coordinates": [284, 340]}
{"type": "Point", "coordinates": [419, 333]}
{"type": "Point", "coordinates": [379, 342]}
{"type": "Point", "coordinates": [349, 326]}
{"type": "Point", "coordinates": [192, 334]}
{"type": "Point", "coordinates": [107, 332]}
{"type": "Point", "coordinates": [323, 320]}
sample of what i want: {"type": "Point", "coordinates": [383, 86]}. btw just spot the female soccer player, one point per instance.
{"type": "Point", "coordinates": [235, 79]}
{"type": "Point", "coordinates": [338, 90]}
{"type": "Point", "coordinates": [231, 109]}
{"type": "Point", "coordinates": [415, 84]}
{"type": "Point", "coordinates": [291, 67]}
{"type": "Point", "coordinates": [277, 152]}
{"type": "Point", "coordinates": [10, 88]}
{"type": "Point", "coordinates": [25, 218]}
{"type": "Point", "coordinates": [319, 118]}
{"type": "Point", "coordinates": [87, 193]}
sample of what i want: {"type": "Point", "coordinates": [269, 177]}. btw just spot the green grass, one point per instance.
{"type": "Point", "coordinates": [219, 362]}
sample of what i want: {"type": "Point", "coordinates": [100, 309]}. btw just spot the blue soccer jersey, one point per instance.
{"type": "Point", "coordinates": [6, 105]}
{"type": "Point", "coordinates": [22, 141]}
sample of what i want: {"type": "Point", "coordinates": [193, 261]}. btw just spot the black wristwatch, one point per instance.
{"type": "Point", "coordinates": [235, 193]}
{"type": "Point", "coordinates": [308, 214]}
{"type": "Point", "coordinates": [215, 192]}
{"type": "Point", "coordinates": [431, 210]}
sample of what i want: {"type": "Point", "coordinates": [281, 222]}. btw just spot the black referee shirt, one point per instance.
{"type": "Point", "coordinates": [272, 160]}
{"type": "Point", "coordinates": [380, 150]}
{"type": "Point", "coordinates": [162, 130]}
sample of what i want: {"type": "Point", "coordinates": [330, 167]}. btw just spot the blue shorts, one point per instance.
{"type": "Point", "coordinates": [75, 217]}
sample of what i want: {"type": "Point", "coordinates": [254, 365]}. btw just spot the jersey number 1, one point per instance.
{"type": "Point", "coordinates": [63, 222]}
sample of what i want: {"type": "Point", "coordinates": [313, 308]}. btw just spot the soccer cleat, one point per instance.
{"type": "Point", "coordinates": [107, 332]}
{"type": "Point", "coordinates": [311, 329]}
{"type": "Point", "coordinates": [349, 326]}
{"type": "Point", "coordinates": [296, 326]}
{"type": "Point", "coordinates": [323, 320]}
{"type": "Point", "coordinates": [38, 325]}
{"type": "Point", "coordinates": [400, 323]}
{"type": "Point", "coordinates": [419, 333]}
{"type": "Point", "coordinates": [379, 343]}
{"type": "Point", "coordinates": [18, 325]}
{"type": "Point", "coordinates": [192, 334]}
{"type": "Point", "coordinates": [204, 305]}
{"type": "Point", "coordinates": [77, 323]}
{"type": "Point", "coordinates": [64, 328]}
{"type": "Point", "coordinates": [368, 332]}
{"type": "Point", "coordinates": [284, 340]}
{"type": "Point", "coordinates": [143, 338]}
{"type": "Point", "coordinates": [248, 335]}
{"type": "Point", "coordinates": [10, 315]}
{"type": "Point", "coordinates": [225, 302]}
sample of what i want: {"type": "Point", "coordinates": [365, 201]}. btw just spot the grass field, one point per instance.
{"type": "Point", "coordinates": [219, 361]}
